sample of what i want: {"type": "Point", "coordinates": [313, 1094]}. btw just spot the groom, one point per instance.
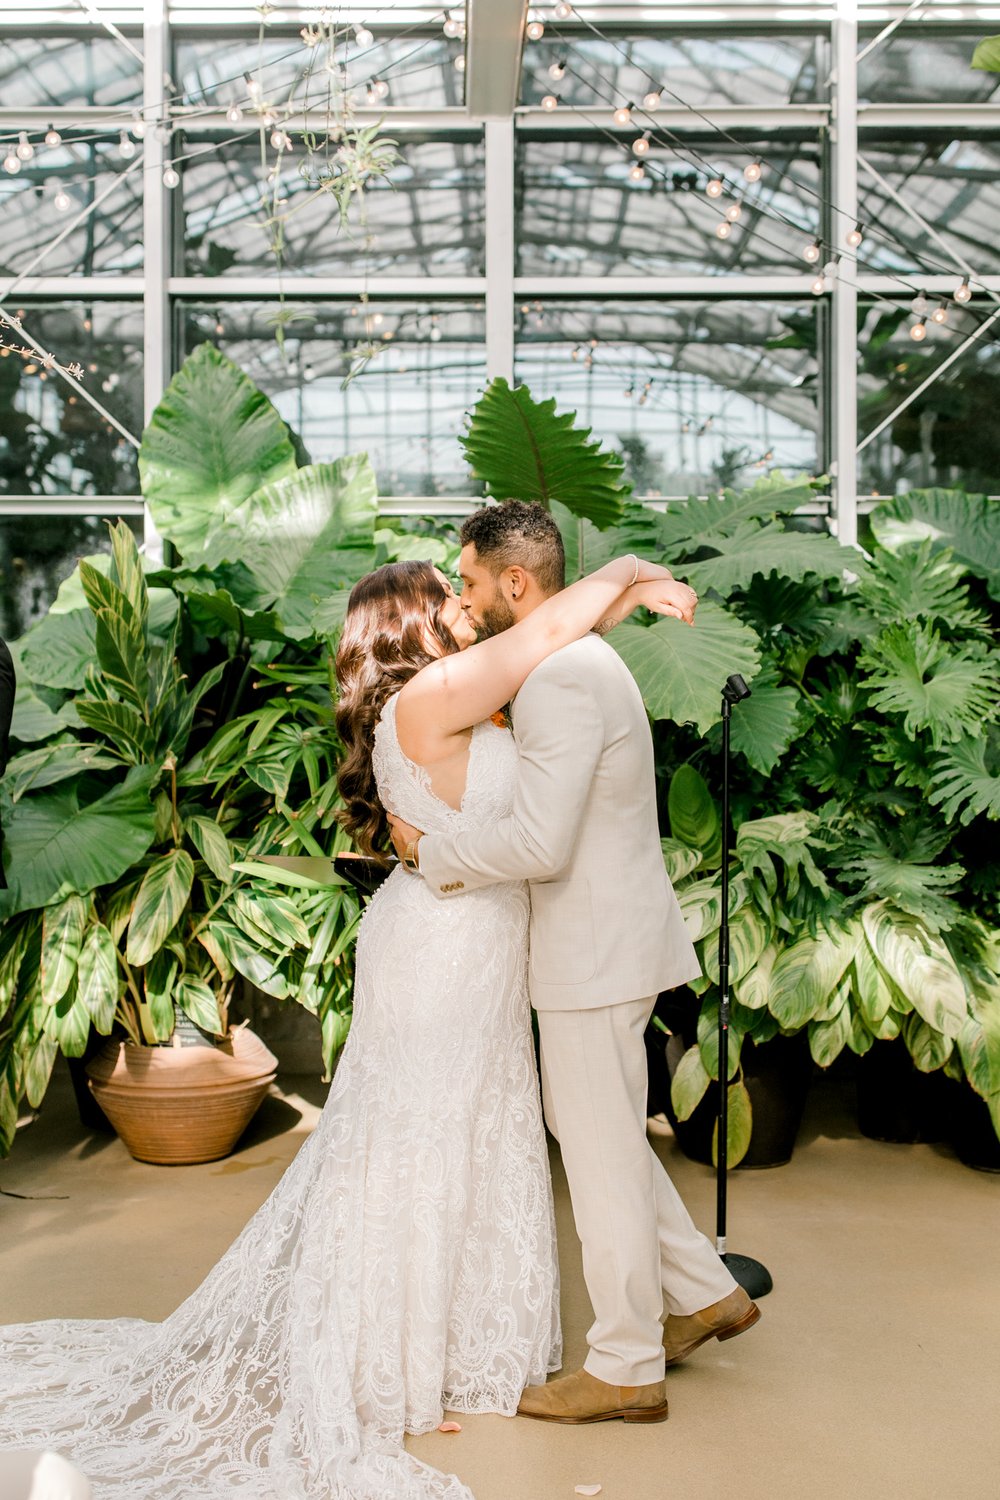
{"type": "Point", "coordinates": [606, 936]}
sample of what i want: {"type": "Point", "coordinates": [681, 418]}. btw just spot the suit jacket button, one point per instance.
{"type": "Point", "coordinates": [459, 885]}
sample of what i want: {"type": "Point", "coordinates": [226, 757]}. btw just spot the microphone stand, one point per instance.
{"type": "Point", "coordinates": [754, 1278]}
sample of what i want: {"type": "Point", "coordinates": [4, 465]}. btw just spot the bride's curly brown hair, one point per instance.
{"type": "Point", "coordinates": [390, 615]}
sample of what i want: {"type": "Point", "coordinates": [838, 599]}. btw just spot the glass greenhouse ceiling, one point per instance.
{"type": "Point", "coordinates": [528, 252]}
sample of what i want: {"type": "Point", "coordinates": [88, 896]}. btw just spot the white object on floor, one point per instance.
{"type": "Point", "coordinates": [41, 1475]}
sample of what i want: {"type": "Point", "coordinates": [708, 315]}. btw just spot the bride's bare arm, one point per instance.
{"type": "Point", "coordinates": [457, 691]}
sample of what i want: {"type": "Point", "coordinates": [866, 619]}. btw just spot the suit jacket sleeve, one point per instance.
{"type": "Point", "coordinates": [560, 729]}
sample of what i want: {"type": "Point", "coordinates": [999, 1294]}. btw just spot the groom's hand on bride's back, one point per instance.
{"type": "Point", "coordinates": [403, 835]}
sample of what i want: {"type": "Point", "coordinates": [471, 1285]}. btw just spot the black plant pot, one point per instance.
{"type": "Point", "coordinates": [896, 1102]}
{"type": "Point", "coordinates": [971, 1128]}
{"type": "Point", "coordinates": [777, 1077]}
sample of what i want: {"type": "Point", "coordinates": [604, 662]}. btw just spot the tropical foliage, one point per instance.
{"type": "Point", "coordinates": [174, 724]}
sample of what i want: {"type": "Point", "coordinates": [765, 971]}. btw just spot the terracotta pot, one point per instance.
{"type": "Point", "coordinates": [175, 1105]}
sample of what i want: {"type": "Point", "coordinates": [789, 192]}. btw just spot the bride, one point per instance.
{"type": "Point", "coordinates": [406, 1261]}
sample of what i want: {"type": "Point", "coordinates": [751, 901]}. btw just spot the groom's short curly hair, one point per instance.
{"type": "Point", "coordinates": [515, 534]}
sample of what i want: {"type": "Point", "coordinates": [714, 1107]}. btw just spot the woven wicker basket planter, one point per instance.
{"type": "Point", "coordinates": [177, 1105]}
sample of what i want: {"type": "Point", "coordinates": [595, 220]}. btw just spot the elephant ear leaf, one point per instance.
{"type": "Point", "coordinates": [519, 446]}
{"type": "Point", "coordinates": [213, 440]}
{"type": "Point", "coordinates": [694, 818]}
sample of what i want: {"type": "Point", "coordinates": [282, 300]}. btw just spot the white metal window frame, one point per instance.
{"type": "Point", "coordinates": [157, 288]}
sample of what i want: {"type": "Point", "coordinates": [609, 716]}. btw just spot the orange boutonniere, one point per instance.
{"type": "Point", "coordinates": [499, 719]}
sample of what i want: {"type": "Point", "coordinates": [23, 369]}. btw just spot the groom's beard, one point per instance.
{"type": "Point", "coordinates": [497, 617]}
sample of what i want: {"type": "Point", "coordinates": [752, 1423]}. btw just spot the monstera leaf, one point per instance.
{"type": "Point", "coordinates": [681, 670]}
{"type": "Point", "coordinates": [303, 538]}
{"type": "Point", "coordinates": [521, 447]}
{"type": "Point", "coordinates": [213, 440]}
{"type": "Point", "coordinates": [967, 524]}
{"type": "Point", "coordinates": [945, 689]}
{"type": "Point", "coordinates": [966, 782]}
{"type": "Point", "coordinates": [56, 848]}
{"type": "Point", "coordinates": [919, 583]}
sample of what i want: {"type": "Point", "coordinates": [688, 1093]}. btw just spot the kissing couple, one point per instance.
{"type": "Point", "coordinates": [406, 1263]}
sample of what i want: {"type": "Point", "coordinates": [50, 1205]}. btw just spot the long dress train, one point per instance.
{"type": "Point", "coordinates": [405, 1262]}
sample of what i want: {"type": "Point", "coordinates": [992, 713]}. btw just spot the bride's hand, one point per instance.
{"type": "Point", "coordinates": [667, 596]}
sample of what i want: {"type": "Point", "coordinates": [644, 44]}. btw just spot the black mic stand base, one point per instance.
{"type": "Point", "coordinates": [754, 1278]}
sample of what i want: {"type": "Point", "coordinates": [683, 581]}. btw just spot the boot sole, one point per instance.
{"type": "Point", "coordinates": [633, 1414]}
{"type": "Point", "coordinates": [731, 1331]}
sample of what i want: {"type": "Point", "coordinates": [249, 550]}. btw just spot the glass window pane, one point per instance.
{"type": "Point", "coordinates": [580, 214]}
{"type": "Point", "coordinates": [695, 394]}
{"type": "Point", "coordinates": [932, 68]}
{"type": "Point", "coordinates": [420, 366]}
{"type": "Point", "coordinates": [46, 69]}
{"type": "Point", "coordinates": [716, 68]}
{"type": "Point", "coordinates": [427, 218]}
{"type": "Point", "coordinates": [37, 553]}
{"type": "Point", "coordinates": [949, 435]}
{"type": "Point", "coordinates": [52, 441]}
{"type": "Point", "coordinates": [51, 189]}
{"type": "Point", "coordinates": [953, 184]}
{"type": "Point", "coordinates": [418, 67]}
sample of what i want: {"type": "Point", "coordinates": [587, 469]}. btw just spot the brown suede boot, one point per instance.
{"type": "Point", "coordinates": [723, 1320]}
{"type": "Point", "coordinates": [583, 1398]}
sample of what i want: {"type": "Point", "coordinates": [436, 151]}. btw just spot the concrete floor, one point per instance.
{"type": "Point", "coordinates": [874, 1372]}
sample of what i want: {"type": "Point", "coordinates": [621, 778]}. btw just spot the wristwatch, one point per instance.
{"type": "Point", "coordinates": [411, 859]}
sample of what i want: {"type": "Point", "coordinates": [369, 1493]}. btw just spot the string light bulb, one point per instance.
{"type": "Point", "coordinates": [62, 199]}
{"type": "Point", "coordinates": [557, 70]}
{"type": "Point", "coordinates": [753, 171]}
{"type": "Point", "coordinates": [138, 126]}
{"type": "Point", "coordinates": [25, 149]}
{"type": "Point", "coordinates": [819, 285]}
{"type": "Point", "coordinates": [126, 145]}
{"type": "Point", "coordinates": [918, 331]}
{"type": "Point", "coordinates": [715, 188]}
{"type": "Point", "coordinates": [563, 11]}
{"type": "Point", "coordinates": [460, 63]}
{"type": "Point", "coordinates": [641, 146]}
{"type": "Point", "coordinates": [381, 88]}
{"type": "Point", "coordinates": [733, 212]}
{"type": "Point", "coordinates": [550, 102]}
{"type": "Point", "coordinates": [855, 236]}
{"type": "Point", "coordinates": [622, 114]}
{"type": "Point", "coordinates": [451, 26]}
{"type": "Point", "coordinates": [636, 172]}
{"type": "Point", "coordinates": [812, 252]}
{"type": "Point", "coordinates": [234, 114]}
{"type": "Point", "coordinates": [919, 305]}
{"type": "Point", "coordinates": [52, 137]}
{"type": "Point", "coordinates": [253, 86]}
{"type": "Point", "coordinates": [723, 229]}
{"type": "Point", "coordinates": [12, 163]}
{"type": "Point", "coordinates": [171, 177]}
{"type": "Point", "coordinates": [963, 292]}
{"type": "Point", "coordinates": [363, 36]}
{"type": "Point", "coordinates": [940, 313]}
{"type": "Point", "coordinates": [652, 100]}
{"type": "Point", "coordinates": [535, 31]}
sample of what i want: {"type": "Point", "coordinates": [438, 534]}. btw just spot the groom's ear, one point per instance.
{"type": "Point", "coordinates": [513, 582]}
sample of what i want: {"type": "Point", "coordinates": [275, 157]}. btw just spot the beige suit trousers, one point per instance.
{"type": "Point", "coordinates": [641, 1250]}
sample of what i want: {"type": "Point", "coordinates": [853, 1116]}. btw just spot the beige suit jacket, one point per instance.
{"type": "Point", "coordinates": [605, 924]}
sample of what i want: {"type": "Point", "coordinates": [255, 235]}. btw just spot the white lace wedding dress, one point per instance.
{"type": "Point", "coordinates": [404, 1263]}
